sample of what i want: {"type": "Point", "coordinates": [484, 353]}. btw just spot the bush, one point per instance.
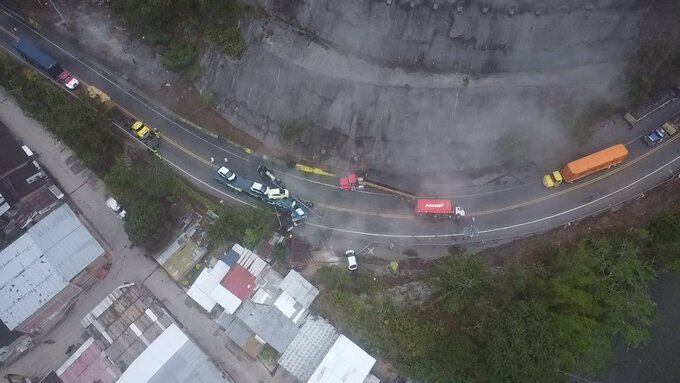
{"type": "Point", "coordinates": [179, 56]}
{"type": "Point", "coordinates": [229, 39]}
{"type": "Point", "coordinates": [244, 225]}
{"type": "Point", "coordinates": [180, 25]}
{"type": "Point", "coordinates": [333, 277]}
{"type": "Point", "coordinates": [665, 241]}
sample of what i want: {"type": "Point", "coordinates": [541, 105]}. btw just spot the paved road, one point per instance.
{"type": "Point", "coordinates": [500, 211]}
{"type": "Point", "coordinates": [88, 193]}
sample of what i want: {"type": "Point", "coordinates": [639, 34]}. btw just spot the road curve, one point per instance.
{"type": "Point", "coordinates": [499, 211]}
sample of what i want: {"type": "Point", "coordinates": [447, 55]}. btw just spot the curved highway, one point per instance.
{"type": "Point", "coordinates": [499, 212]}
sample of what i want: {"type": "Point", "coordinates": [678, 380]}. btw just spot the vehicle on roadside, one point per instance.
{"type": "Point", "coordinates": [259, 189]}
{"type": "Point", "coordinates": [277, 193]}
{"type": "Point", "coordinates": [655, 137]}
{"type": "Point", "coordinates": [374, 179]}
{"type": "Point", "coordinates": [113, 205]}
{"type": "Point", "coordinates": [291, 211]}
{"type": "Point", "coordinates": [141, 130]}
{"type": "Point", "coordinates": [150, 137]}
{"type": "Point", "coordinates": [351, 260]}
{"type": "Point", "coordinates": [575, 170]}
{"type": "Point", "coordinates": [438, 208]}
{"type": "Point", "coordinates": [670, 128]}
{"type": "Point", "coordinates": [268, 177]}
{"type": "Point", "coordinates": [42, 60]}
{"type": "Point", "coordinates": [226, 174]}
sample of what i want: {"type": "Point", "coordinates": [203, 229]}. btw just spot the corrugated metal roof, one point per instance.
{"type": "Point", "coordinates": [188, 365]}
{"type": "Point", "coordinates": [74, 252]}
{"type": "Point", "coordinates": [299, 288]}
{"type": "Point", "coordinates": [308, 348]}
{"type": "Point", "coordinates": [55, 226]}
{"type": "Point", "coordinates": [39, 264]}
{"type": "Point", "coordinates": [16, 257]}
{"type": "Point", "coordinates": [269, 323]}
{"type": "Point", "coordinates": [251, 261]}
{"type": "Point", "coordinates": [345, 362]}
{"type": "Point", "coordinates": [172, 358]}
{"type": "Point", "coordinates": [66, 243]}
{"type": "Point", "coordinates": [29, 291]}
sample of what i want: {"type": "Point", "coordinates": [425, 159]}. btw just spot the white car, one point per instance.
{"type": "Point", "coordinates": [277, 193]}
{"type": "Point", "coordinates": [259, 188]}
{"type": "Point", "coordinates": [226, 174]}
{"type": "Point", "coordinates": [351, 260]}
{"type": "Point", "coordinates": [113, 205]}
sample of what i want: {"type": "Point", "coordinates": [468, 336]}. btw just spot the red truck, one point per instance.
{"type": "Point", "coordinates": [438, 208]}
{"type": "Point", "coordinates": [373, 179]}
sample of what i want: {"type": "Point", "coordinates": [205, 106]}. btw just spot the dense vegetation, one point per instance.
{"type": "Point", "coordinates": [81, 123]}
{"type": "Point", "coordinates": [147, 192]}
{"type": "Point", "coordinates": [528, 323]}
{"type": "Point", "coordinates": [145, 187]}
{"type": "Point", "coordinates": [181, 26]}
{"type": "Point", "coordinates": [245, 225]}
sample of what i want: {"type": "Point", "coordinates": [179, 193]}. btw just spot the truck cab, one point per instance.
{"type": "Point", "coordinates": [655, 137]}
{"type": "Point", "coordinates": [553, 179]}
{"type": "Point", "coordinates": [141, 131]}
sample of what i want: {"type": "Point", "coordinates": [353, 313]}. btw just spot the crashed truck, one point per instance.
{"type": "Point", "coordinates": [401, 188]}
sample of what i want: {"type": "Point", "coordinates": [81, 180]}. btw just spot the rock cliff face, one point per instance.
{"type": "Point", "coordinates": [424, 86]}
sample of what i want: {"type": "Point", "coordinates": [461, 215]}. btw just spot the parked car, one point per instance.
{"type": "Point", "coordinates": [277, 193]}
{"type": "Point", "coordinates": [226, 173]}
{"type": "Point", "coordinates": [113, 205]}
{"type": "Point", "coordinates": [351, 260]}
{"type": "Point", "coordinates": [655, 137]}
{"type": "Point", "coordinates": [259, 188]}
{"type": "Point", "coordinates": [670, 128]}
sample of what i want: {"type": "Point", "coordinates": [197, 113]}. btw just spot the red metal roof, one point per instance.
{"type": "Point", "coordinates": [240, 282]}
{"type": "Point", "coordinates": [434, 206]}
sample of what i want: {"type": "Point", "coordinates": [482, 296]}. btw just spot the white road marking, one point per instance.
{"type": "Point", "coordinates": [504, 227]}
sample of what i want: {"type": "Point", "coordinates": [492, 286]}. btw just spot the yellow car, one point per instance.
{"type": "Point", "coordinates": [141, 131]}
{"type": "Point", "coordinates": [552, 180]}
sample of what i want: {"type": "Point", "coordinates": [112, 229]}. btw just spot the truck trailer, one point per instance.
{"type": "Point", "coordinates": [374, 179]}
{"type": "Point", "coordinates": [438, 208]}
{"type": "Point", "coordinates": [35, 56]}
{"type": "Point", "coordinates": [575, 170]}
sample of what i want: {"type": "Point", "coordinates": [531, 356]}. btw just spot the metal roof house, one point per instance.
{"type": "Point", "coordinates": [38, 266]}
{"type": "Point", "coordinates": [134, 339]}
{"type": "Point", "coordinates": [345, 362]}
{"type": "Point", "coordinates": [172, 358]}
{"type": "Point", "coordinates": [308, 348]}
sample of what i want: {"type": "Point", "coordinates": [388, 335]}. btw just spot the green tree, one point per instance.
{"type": "Point", "coordinates": [144, 220]}
{"type": "Point", "coordinates": [179, 56]}
{"type": "Point", "coordinates": [461, 286]}
{"type": "Point", "coordinates": [280, 253]}
{"type": "Point", "coordinates": [522, 345]}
